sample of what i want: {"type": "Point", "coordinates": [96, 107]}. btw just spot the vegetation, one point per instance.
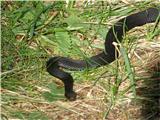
{"type": "Point", "coordinates": [34, 31]}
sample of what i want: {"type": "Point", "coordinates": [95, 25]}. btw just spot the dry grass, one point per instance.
{"type": "Point", "coordinates": [93, 100]}
{"type": "Point", "coordinates": [91, 103]}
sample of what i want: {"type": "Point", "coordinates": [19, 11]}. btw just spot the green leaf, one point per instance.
{"type": "Point", "coordinates": [54, 89]}
{"type": "Point", "coordinates": [19, 115]}
{"type": "Point", "coordinates": [36, 115]}
{"type": "Point", "coordinates": [129, 70]}
{"type": "Point", "coordinates": [51, 97]}
{"type": "Point", "coordinates": [46, 40]}
{"type": "Point", "coordinates": [73, 21]}
{"type": "Point", "coordinates": [63, 41]}
{"type": "Point", "coordinates": [55, 94]}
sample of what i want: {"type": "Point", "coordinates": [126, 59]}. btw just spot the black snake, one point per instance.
{"type": "Point", "coordinates": [115, 34]}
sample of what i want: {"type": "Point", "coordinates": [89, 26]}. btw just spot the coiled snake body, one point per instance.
{"type": "Point", "coordinates": [115, 34]}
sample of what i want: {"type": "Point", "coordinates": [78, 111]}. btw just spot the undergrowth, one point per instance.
{"type": "Point", "coordinates": [34, 31]}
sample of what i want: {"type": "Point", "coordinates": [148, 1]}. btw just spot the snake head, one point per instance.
{"type": "Point", "coordinates": [71, 96]}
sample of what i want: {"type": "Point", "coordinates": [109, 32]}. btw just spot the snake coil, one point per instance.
{"type": "Point", "coordinates": [115, 34]}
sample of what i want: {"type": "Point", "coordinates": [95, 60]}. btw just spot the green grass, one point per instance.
{"type": "Point", "coordinates": [34, 31]}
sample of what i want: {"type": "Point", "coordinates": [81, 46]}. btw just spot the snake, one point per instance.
{"type": "Point", "coordinates": [55, 65]}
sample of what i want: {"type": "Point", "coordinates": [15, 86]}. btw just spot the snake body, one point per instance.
{"type": "Point", "coordinates": [115, 34]}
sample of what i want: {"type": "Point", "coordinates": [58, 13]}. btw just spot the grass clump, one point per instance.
{"type": "Point", "coordinates": [34, 31]}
